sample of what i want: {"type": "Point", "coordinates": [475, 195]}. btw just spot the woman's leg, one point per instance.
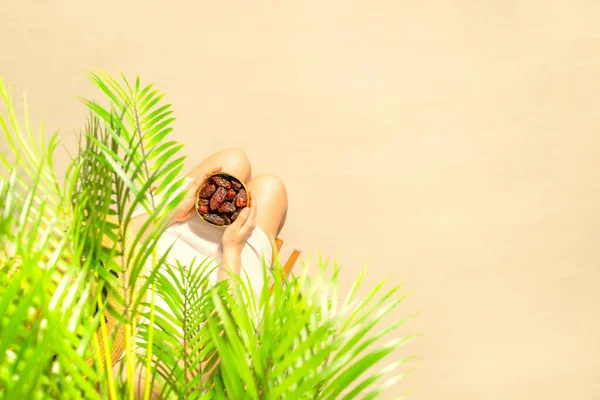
{"type": "Point", "coordinates": [233, 161]}
{"type": "Point", "coordinates": [270, 196]}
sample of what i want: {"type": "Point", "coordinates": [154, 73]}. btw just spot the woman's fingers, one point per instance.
{"type": "Point", "coordinates": [250, 222]}
{"type": "Point", "coordinates": [197, 182]}
{"type": "Point", "coordinates": [202, 177]}
{"type": "Point", "coordinates": [242, 218]}
{"type": "Point", "coordinates": [213, 171]}
{"type": "Point", "coordinates": [241, 229]}
{"type": "Point", "coordinates": [252, 217]}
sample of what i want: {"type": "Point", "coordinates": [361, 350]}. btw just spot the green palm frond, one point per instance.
{"type": "Point", "coordinates": [125, 148]}
{"type": "Point", "coordinates": [143, 123]}
{"type": "Point", "coordinates": [33, 157]}
{"type": "Point", "coordinates": [127, 138]}
{"type": "Point", "coordinates": [302, 341]}
{"type": "Point", "coordinates": [32, 161]}
{"type": "Point", "coordinates": [44, 318]}
{"type": "Point", "coordinates": [65, 268]}
{"type": "Point", "coordinates": [183, 351]}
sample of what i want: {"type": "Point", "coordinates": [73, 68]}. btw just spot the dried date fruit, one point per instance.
{"type": "Point", "coordinates": [215, 219]}
{"type": "Point", "coordinates": [218, 198]}
{"type": "Point", "coordinates": [236, 185]}
{"type": "Point", "coordinates": [207, 190]}
{"type": "Point", "coordinates": [220, 181]}
{"type": "Point", "coordinates": [227, 208]}
{"type": "Point", "coordinates": [241, 199]}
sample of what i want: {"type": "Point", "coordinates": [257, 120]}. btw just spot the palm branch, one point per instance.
{"type": "Point", "coordinates": [45, 329]}
{"type": "Point", "coordinates": [65, 271]}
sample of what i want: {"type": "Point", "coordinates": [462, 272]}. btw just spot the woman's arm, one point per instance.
{"type": "Point", "coordinates": [185, 210]}
{"type": "Point", "coordinates": [232, 262]}
{"type": "Point", "coordinates": [235, 238]}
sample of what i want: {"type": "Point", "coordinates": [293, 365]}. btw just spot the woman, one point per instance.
{"type": "Point", "coordinates": [243, 246]}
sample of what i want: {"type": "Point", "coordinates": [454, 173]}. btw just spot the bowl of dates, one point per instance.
{"type": "Point", "coordinates": [220, 199]}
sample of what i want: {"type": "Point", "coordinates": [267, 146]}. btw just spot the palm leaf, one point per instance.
{"type": "Point", "coordinates": [50, 355]}
{"type": "Point", "coordinates": [196, 341]}
{"type": "Point", "coordinates": [320, 353]}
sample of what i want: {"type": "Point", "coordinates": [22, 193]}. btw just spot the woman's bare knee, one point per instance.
{"type": "Point", "coordinates": [271, 198]}
{"type": "Point", "coordinates": [233, 160]}
{"type": "Point", "coordinates": [272, 186]}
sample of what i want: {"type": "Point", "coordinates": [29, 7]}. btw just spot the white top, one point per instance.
{"type": "Point", "coordinates": [197, 239]}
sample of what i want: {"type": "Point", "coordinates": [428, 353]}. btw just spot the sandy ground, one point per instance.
{"type": "Point", "coordinates": [452, 145]}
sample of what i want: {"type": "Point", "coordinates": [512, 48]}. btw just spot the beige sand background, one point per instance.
{"type": "Point", "coordinates": [472, 125]}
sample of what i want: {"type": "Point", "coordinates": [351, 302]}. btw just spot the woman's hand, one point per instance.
{"type": "Point", "coordinates": [187, 207]}
{"type": "Point", "coordinates": [234, 239]}
{"type": "Point", "coordinates": [239, 231]}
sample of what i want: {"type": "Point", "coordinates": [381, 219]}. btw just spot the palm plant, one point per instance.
{"type": "Point", "coordinates": [78, 286]}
